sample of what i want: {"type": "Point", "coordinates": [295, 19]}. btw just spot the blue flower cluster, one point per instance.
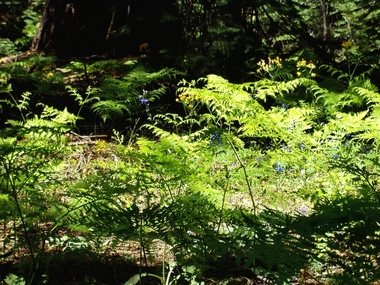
{"type": "Point", "coordinates": [259, 159]}
{"type": "Point", "coordinates": [216, 139]}
{"type": "Point", "coordinates": [278, 167]}
{"type": "Point", "coordinates": [286, 148]}
{"type": "Point", "coordinates": [143, 100]}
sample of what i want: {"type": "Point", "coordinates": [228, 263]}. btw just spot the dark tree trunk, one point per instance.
{"type": "Point", "coordinates": [75, 27]}
{"type": "Point", "coordinates": [326, 20]}
{"type": "Point", "coordinates": [115, 28]}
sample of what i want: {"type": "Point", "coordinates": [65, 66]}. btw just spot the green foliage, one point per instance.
{"type": "Point", "coordinates": [31, 18]}
{"type": "Point", "coordinates": [7, 47]}
{"type": "Point", "coordinates": [21, 104]}
{"type": "Point", "coordinates": [19, 24]}
{"type": "Point", "coordinates": [83, 101]}
{"type": "Point", "coordinates": [109, 109]}
{"type": "Point", "coordinates": [28, 168]}
{"type": "Point", "coordinates": [13, 279]}
{"type": "Point", "coordinates": [222, 35]}
{"type": "Point", "coordinates": [137, 87]}
{"type": "Point", "coordinates": [273, 176]}
{"type": "Point", "coordinates": [348, 237]}
{"type": "Point", "coordinates": [31, 153]}
{"type": "Point", "coordinates": [297, 139]}
{"type": "Point", "coordinates": [34, 69]}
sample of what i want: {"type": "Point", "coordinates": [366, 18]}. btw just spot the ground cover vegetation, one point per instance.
{"type": "Point", "coordinates": [245, 151]}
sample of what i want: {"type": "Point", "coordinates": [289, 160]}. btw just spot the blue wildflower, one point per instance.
{"type": "Point", "coordinates": [278, 167]}
{"type": "Point", "coordinates": [259, 159]}
{"type": "Point", "coordinates": [286, 148]}
{"type": "Point", "coordinates": [335, 156]}
{"type": "Point", "coordinates": [216, 139]}
{"type": "Point", "coordinates": [143, 100]}
{"type": "Point", "coordinates": [283, 106]}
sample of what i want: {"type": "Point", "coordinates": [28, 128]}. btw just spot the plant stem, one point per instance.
{"type": "Point", "coordinates": [250, 191]}
{"type": "Point", "coordinates": [141, 247]}
{"type": "Point", "coordinates": [224, 198]}
{"type": "Point", "coordinates": [24, 227]}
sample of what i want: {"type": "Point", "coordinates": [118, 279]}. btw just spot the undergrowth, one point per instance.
{"type": "Point", "coordinates": [287, 190]}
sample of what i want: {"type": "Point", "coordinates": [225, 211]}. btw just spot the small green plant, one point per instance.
{"type": "Point", "coordinates": [134, 93]}
{"type": "Point", "coordinates": [82, 101]}
{"type": "Point", "coordinates": [13, 279]}
{"type": "Point", "coordinates": [22, 104]}
{"type": "Point", "coordinates": [7, 47]}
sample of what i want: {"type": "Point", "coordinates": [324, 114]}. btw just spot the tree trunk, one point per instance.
{"type": "Point", "coordinates": [114, 27]}
{"type": "Point", "coordinates": [75, 27]}
{"type": "Point", "coordinates": [39, 38]}
{"type": "Point", "coordinates": [326, 20]}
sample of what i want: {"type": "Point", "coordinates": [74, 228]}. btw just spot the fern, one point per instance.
{"type": "Point", "coordinates": [370, 95]}
{"type": "Point", "coordinates": [360, 94]}
{"type": "Point", "coordinates": [109, 109]}
{"type": "Point", "coordinates": [276, 89]}
{"type": "Point", "coordinates": [121, 95]}
{"type": "Point", "coordinates": [229, 103]}
{"type": "Point", "coordinates": [63, 118]}
{"type": "Point", "coordinates": [159, 132]}
{"type": "Point", "coordinates": [21, 104]}
{"type": "Point", "coordinates": [336, 72]}
{"type": "Point", "coordinates": [176, 121]}
{"type": "Point", "coordinates": [86, 100]}
{"type": "Point", "coordinates": [344, 236]}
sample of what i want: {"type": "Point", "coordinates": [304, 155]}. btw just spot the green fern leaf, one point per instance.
{"type": "Point", "coordinates": [109, 109]}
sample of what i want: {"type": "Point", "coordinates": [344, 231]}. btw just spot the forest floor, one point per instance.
{"type": "Point", "coordinates": [116, 264]}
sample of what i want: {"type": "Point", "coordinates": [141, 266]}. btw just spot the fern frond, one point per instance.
{"type": "Point", "coordinates": [170, 118]}
{"type": "Point", "coordinates": [115, 89]}
{"type": "Point", "coordinates": [370, 128]}
{"type": "Point", "coordinates": [276, 89]}
{"type": "Point", "coordinates": [45, 124]}
{"type": "Point", "coordinates": [369, 95]}
{"type": "Point", "coordinates": [234, 140]}
{"type": "Point", "coordinates": [160, 133]}
{"type": "Point", "coordinates": [352, 123]}
{"type": "Point", "coordinates": [319, 92]}
{"type": "Point", "coordinates": [283, 76]}
{"type": "Point", "coordinates": [335, 71]}
{"type": "Point", "coordinates": [364, 75]}
{"type": "Point", "coordinates": [177, 120]}
{"type": "Point", "coordinates": [109, 109]}
{"type": "Point", "coordinates": [61, 117]}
